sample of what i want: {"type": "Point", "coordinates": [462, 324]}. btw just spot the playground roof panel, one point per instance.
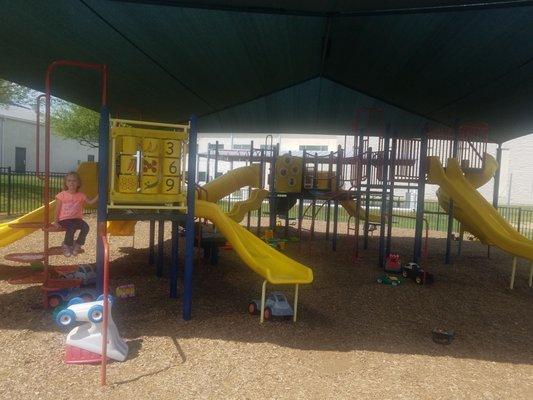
{"type": "Point", "coordinates": [285, 66]}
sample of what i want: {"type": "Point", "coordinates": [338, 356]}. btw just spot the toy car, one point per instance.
{"type": "Point", "coordinates": [389, 280]}
{"type": "Point", "coordinates": [57, 297]}
{"type": "Point", "coordinates": [415, 272]}
{"type": "Point", "coordinates": [85, 272]}
{"type": "Point", "coordinates": [442, 336]}
{"type": "Point", "coordinates": [276, 305]}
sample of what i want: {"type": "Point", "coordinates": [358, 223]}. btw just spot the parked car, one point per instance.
{"type": "Point", "coordinates": [389, 280]}
{"type": "Point", "coordinates": [276, 305]}
{"type": "Point", "coordinates": [85, 272]}
{"type": "Point", "coordinates": [414, 271]}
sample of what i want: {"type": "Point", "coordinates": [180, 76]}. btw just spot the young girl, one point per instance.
{"type": "Point", "coordinates": [69, 214]}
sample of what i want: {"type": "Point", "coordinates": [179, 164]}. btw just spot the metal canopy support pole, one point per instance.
{"type": "Point", "coordinates": [422, 169]}
{"type": "Point", "coordinates": [336, 201]}
{"type": "Point", "coordinates": [272, 203]}
{"type": "Point", "coordinates": [249, 215]}
{"type": "Point", "coordinates": [391, 196]}
{"type": "Point", "coordinates": [189, 224]}
{"type": "Point", "coordinates": [358, 179]}
{"type": "Point", "coordinates": [383, 208]}
{"type": "Point", "coordinates": [367, 205]}
{"type": "Point", "coordinates": [216, 160]}
{"type": "Point", "coordinates": [151, 243]}
{"type": "Point", "coordinates": [174, 264]}
{"type": "Point", "coordinates": [207, 163]}
{"type": "Point", "coordinates": [160, 248]}
{"type": "Point", "coordinates": [496, 190]}
{"type": "Point", "coordinates": [103, 176]}
{"type": "Point", "coordinates": [448, 256]}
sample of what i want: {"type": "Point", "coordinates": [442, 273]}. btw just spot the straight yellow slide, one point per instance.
{"type": "Point", "coordinates": [9, 234]}
{"type": "Point", "coordinates": [476, 212]}
{"type": "Point", "coordinates": [272, 265]}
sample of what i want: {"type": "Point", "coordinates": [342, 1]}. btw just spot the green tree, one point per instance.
{"type": "Point", "coordinates": [76, 122]}
{"type": "Point", "coordinates": [12, 93]}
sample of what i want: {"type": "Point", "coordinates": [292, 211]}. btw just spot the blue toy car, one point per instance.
{"type": "Point", "coordinates": [276, 305]}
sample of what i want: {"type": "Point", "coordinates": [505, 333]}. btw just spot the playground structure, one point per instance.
{"type": "Point", "coordinates": [144, 180]}
{"type": "Point", "coordinates": [353, 177]}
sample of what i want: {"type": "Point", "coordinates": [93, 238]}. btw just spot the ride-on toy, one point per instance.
{"type": "Point", "coordinates": [393, 264]}
{"type": "Point", "coordinates": [276, 305]}
{"type": "Point", "coordinates": [389, 280]}
{"type": "Point", "coordinates": [84, 342]}
{"type": "Point", "coordinates": [415, 272]}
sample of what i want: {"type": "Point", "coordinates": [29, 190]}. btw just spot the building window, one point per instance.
{"type": "Point", "coordinates": [90, 157]}
{"type": "Point", "coordinates": [265, 147]}
{"type": "Point", "coordinates": [218, 174]}
{"type": "Point", "coordinates": [201, 176]}
{"type": "Point", "coordinates": [241, 146]}
{"type": "Point", "coordinates": [309, 147]}
{"type": "Point", "coordinates": [213, 146]}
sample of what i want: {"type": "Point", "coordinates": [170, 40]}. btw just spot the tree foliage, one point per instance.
{"type": "Point", "coordinates": [76, 122]}
{"type": "Point", "coordinates": [12, 93]}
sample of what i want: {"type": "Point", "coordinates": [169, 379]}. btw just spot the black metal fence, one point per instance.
{"type": "Point", "coordinates": [22, 192]}
{"type": "Point", "coordinates": [521, 218]}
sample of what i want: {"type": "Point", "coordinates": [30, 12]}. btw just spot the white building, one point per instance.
{"type": "Point", "coordinates": [18, 149]}
{"type": "Point", "coordinates": [516, 176]}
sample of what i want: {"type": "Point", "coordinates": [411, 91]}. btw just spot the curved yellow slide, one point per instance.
{"type": "Point", "coordinates": [476, 178]}
{"type": "Point", "coordinates": [8, 234]}
{"type": "Point", "coordinates": [241, 208]}
{"type": "Point", "coordinates": [272, 265]}
{"type": "Point", "coordinates": [476, 212]}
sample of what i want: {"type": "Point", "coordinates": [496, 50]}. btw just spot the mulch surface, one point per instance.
{"type": "Point", "coordinates": [355, 338]}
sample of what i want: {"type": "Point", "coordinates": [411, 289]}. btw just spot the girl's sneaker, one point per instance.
{"type": "Point", "coordinates": [76, 249]}
{"type": "Point", "coordinates": [66, 250]}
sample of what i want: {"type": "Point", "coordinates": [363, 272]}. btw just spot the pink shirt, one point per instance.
{"type": "Point", "coordinates": [71, 205]}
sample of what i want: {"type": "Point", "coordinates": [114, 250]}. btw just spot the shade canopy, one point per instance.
{"type": "Point", "coordinates": [285, 66]}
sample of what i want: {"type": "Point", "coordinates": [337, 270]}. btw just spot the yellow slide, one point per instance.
{"type": "Point", "coordinates": [9, 234]}
{"type": "Point", "coordinates": [241, 208]}
{"type": "Point", "coordinates": [214, 191]}
{"type": "Point", "coordinates": [272, 265]}
{"type": "Point", "coordinates": [351, 208]}
{"type": "Point", "coordinates": [229, 182]}
{"type": "Point", "coordinates": [476, 178]}
{"type": "Point", "coordinates": [475, 212]}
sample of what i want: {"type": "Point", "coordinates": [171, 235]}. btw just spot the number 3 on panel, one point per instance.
{"type": "Point", "coordinates": [172, 148]}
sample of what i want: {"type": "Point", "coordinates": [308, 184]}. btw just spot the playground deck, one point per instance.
{"type": "Point", "coordinates": [354, 338]}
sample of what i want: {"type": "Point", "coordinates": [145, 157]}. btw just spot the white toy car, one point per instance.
{"type": "Point", "coordinates": [85, 272]}
{"type": "Point", "coordinates": [276, 305]}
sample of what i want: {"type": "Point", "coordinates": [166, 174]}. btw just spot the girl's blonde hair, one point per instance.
{"type": "Point", "coordinates": [74, 174]}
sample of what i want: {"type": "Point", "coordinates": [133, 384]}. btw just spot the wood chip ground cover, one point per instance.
{"type": "Point", "coordinates": [355, 339]}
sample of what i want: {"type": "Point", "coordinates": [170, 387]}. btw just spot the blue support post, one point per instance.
{"type": "Point", "coordinates": [160, 248]}
{"type": "Point", "coordinates": [385, 181]}
{"type": "Point", "coordinates": [174, 264]}
{"type": "Point", "coordinates": [103, 175]}
{"type": "Point", "coordinates": [189, 224]}
{"type": "Point", "coordinates": [455, 151]}
{"type": "Point", "coordinates": [422, 170]}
